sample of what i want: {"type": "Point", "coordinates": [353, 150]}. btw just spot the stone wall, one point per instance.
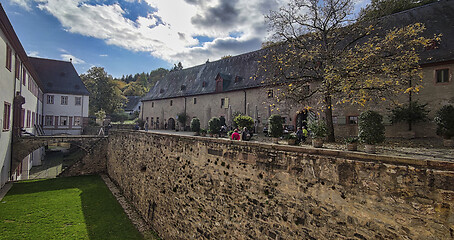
{"type": "Point", "coordinates": [94, 162]}
{"type": "Point", "coordinates": [205, 188]}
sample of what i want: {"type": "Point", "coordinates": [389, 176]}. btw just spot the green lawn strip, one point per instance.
{"type": "Point", "coordinates": [63, 208]}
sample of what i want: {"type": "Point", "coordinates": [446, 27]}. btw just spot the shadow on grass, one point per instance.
{"type": "Point", "coordinates": [51, 209]}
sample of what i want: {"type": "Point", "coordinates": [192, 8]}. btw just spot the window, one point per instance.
{"type": "Point", "coordinates": [352, 120]}
{"type": "Point", "coordinates": [270, 93]}
{"type": "Point", "coordinates": [33, 119]}
{"type": "Point", "coordinates": [50, 99]}
{"type": "Point", "coordinates": [9, 56]}
{"type": "Point", "coordinates": [195, 100]}
{"type": "Point", "coordinates": [171, 102]}
{"type": "Point", "coordinates": [152, 104]}
{"type": "Point", "coordinates": [76, 121]}
{"type": "Point", "coordinates": [63, 121]}
{"type": "Point", "coordinates": [222, 102]}
{"type": "Point", "coordinates": [334, 119]}
{"type": "Point", "coordinates": [64, 100]}
{"type": "Point", "coordinates": [29, 114]}
{"type": "Point", "coordinates": [49, 121]}
{"type": "Point", "coordinates": [78, 101]}
{"type": "Point", "coordinates": [442, 75]}
{"type": "Point", "coordinates": [6, 115]}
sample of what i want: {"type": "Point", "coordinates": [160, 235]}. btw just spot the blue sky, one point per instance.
{"type": "Point", "coordinates": [133, 36]}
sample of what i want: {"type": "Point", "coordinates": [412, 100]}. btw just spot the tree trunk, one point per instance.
{"type": "Point", "coordinates": [329, 118]}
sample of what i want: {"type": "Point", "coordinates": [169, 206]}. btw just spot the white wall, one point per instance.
{"type": "Point", "coordinates": [6, 95]}
{"type": "Point", "coordinates": [69, 110]}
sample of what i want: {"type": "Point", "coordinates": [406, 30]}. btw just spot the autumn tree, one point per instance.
{"type": "Point", "coordinates": [343, 61]}
{"type": "Point", "coordinates": [104, 92]}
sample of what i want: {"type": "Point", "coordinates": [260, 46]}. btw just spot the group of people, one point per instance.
{"type": "Point", "coordinates": [245, 135]}
{"type": "Point", "coordinates": [301, 134]}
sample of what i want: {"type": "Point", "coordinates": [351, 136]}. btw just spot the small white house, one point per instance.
{"type": "Point", "coordinates": [65, 103]}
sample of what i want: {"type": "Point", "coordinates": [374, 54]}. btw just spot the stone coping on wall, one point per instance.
{"type": "Point", "coordinates": [359, 156]}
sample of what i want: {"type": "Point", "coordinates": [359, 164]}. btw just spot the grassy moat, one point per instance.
{"type": "Point", "coordinates": [64, 208]}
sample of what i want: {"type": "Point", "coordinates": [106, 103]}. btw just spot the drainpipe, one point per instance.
{"type": "Point", "coordinates": [245, 102]}
{"type": "Point", "coordinates": [141, 109]}
{"type": "Point", "coordinates": [12, 127]}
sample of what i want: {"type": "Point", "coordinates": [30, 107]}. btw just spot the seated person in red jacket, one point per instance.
{"type": "Point", "coordinates": [235, 135]}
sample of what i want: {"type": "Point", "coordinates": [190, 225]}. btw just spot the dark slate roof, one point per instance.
{"type": "Point", "coordinates": [58, 76]}
{"type": "Point", "coordinates": [438, 18]}
{"type": "Point", "coordinates": [132, 102]}
{"type": "Point", "coordinates": [237, 72]}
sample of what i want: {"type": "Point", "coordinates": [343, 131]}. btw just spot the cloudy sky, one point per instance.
{"type": "Point", "coordinates": [132, 36]}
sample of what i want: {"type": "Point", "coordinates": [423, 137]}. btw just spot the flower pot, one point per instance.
{"type": "Point", "coordinates": [448, 142]}
{"type": "Point", "coordinates": [317, 142]}
{"type": "Point", "coordinates": [352, 146]}
{"type": "Point", "coordinates": [369, 148]}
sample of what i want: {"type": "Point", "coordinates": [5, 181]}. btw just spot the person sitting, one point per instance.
{"type": "Point", "coordinates": [245, 135]}
{"type": "Point", "coordinates": [235, 135]}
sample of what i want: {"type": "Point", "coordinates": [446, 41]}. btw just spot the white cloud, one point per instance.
{"type": "Point", "coordinates": [26, 4]}
{"type": "Point", "coordinates": [71, 58]}
{"type": "Point", "coordinates": [170, 32]}
{"type": "Point", "coordinates": [103, 55]}
{"type": "Point", "coordinates": [33, 54]}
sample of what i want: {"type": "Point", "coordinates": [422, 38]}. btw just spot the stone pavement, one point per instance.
{"type": "Point", "coordinates": [420, 148]}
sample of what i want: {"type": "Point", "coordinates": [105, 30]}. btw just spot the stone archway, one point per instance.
{"type": "Point", "coordinates": [171, 124]}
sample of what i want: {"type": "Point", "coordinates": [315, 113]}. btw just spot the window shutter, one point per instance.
{"type": "Point", "coordinates": [226, 105]}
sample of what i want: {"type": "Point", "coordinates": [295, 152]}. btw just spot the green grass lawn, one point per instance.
{"type": "Point", "coordinates": [63, 208]}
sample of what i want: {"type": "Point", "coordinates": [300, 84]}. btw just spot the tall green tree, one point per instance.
{"type": "Point", "coordinates": [323, 54]}
{"type": "Point", "coordinates": [104, 92]}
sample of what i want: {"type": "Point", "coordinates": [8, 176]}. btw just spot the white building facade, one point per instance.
{"type": "Point", "coordinates": [66, 98]}
{"type": "Point", "coordinates": [21, 102]}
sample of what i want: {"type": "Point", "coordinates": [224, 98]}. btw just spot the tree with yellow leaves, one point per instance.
{"type": "Point", "coordinates": [321, 45]}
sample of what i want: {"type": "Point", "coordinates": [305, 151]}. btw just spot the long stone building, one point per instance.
{"type": "Point", "coordinates": [231, 85]}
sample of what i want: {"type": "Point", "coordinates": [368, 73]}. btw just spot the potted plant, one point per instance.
{"type": "Point", "coordinates": [275, 127]}
{"type": "Point", "coordinates": [291, 138]}
{"type": "Point", "coordinates": [318, 131]}
{"type": "Point", "coordinates": [371, 129]}
{"type": "Point", "coordinates": [444, 118]}
{"type": "Point", "coordinates": [203, 132]}
{"type": "Point", "coordinates": [352, 143]}
{"type": "Point", "coordinates": [209, 133]}
{"type": "Point", "coordinates": [215, 126]}
{"type": "Point", "coordinates": [195, 126]}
